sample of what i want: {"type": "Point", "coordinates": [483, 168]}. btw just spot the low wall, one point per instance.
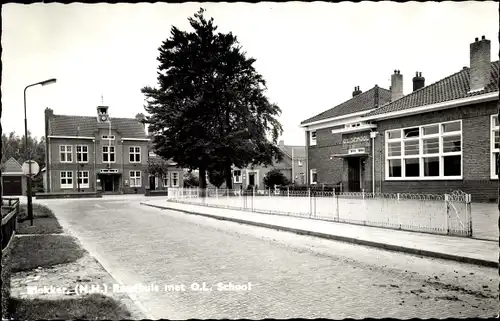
{"type": "Point", "coordinates": [156, 192]}
{"type": "Point", "coordinates": [68, 195]}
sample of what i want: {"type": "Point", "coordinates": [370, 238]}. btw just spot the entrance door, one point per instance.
{"type": "Point", "coordinates": [354, 174]}
{"type": "Point", "coordinates": [107, 183]}
{"type": "Point", "coordinates": [251, 179]}
{"type": "Point", "coordinates": [152, 183]}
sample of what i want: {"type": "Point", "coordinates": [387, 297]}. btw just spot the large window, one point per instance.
{"type": "Point", "coordinates": [495, 146]}
{"type": "Point", "coordinates": [83, 179]}
{"type": "Point", "coordinates": [135, 179]}
{"type": "Point", "coordinates": [175, 179]}
{"type": "Point", "coordinates": [134, 154]}
{"type": "Point", "coordinates": [425, 152]}
{"type": "Point", "coordinates": [66, 153]}
{"type": "Point", "coordinates": [108, 154]}
{"type": "Point", "coordinates": [314, 176]}
{"type": "Point", "coordinates": [237, 176]}
{"type": "Point", "coordinates": [66, 179]}
{"type": "Point", "coordinates": [82, 153]}
{"type": "Point", "coordinates": [312, 139]}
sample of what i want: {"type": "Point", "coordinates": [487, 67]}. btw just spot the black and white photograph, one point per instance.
{"type": "Point", "coordinates": [250, 160]}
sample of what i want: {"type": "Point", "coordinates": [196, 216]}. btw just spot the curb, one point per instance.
{"type": "Point", "coordinates": [346, 239]}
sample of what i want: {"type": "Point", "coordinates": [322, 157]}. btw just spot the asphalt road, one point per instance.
{"type": "Point", "coordinates": [290, 275]}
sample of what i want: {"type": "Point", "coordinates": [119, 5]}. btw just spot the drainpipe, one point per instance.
{"type": "Point", "coordinates": [372, 136]}
{"type": "Point", "coordinates": [293, 177]}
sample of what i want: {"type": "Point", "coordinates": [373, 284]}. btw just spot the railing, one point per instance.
{"type": "Point", "coordinates": [10, 207]}
{"type": "Point", "coordinates": [448, 214]}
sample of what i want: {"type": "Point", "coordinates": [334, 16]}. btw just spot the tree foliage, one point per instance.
{"type": "Point", "coordinates": [275, 177]}
{"type": "Point", "coordinates": [216, 176]}
{"type": "Point", "coordinates": [210, 110]}
{"type": "Point", "coordinates": [157, 166]}
{"type": "Point", "coordinates": [190, 180]}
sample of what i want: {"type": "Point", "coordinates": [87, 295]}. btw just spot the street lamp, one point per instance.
{"type": "Point", "coordinates": [43, 83]}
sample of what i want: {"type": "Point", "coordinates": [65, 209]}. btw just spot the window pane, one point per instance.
{"type": "Point", "coordinates": [78, 149]}
{"type": "Point", "coordinates": [131, 157]}
{"type": "Point", "coordinates": [105, 149]}
{"type": "Point", "coordinates": [70, 174]}
{"type": "Point", "coordinates": [452, 165]}
{"type": "Point", "coordinates": [497, 139]}
{"type": "Point", "coordinates": [112, 157]}
{"type": "Point", "coordinates": [394, 149]}
{"type": "Point", "coordinates": [395, 168]}
{"type": "Point", "coordinates": [411, 132]}
{"type": "Point", "coordinates": [395, 134]}
{"type": "Point", "coordinates": [451, 144]}
{"type": "Point", "coordinates": [412, 147]}
{"type": "Point", "coordinates": [429, 130]}
{"type": "Point", "coordinates": [137, 149]}
{"type": "Point", "coordinates": [431, 166]}
{"type": "Point", "coordinates": [431, 146]}
{"type": "Point", "coordinates": [63, 174]}
{"type": "Point", "coordinates": [85, 157]}
{"type": "Point", "coordinates": [412, 167]}
{"type": "Point", "coordinates": [451, 127]}
{"type": "Point", "coordinates": [495, 121]}
{"type": "Point", "coordinates": [496, 164]}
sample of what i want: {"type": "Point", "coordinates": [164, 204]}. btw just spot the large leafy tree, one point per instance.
{"type": "Point", "coordinates": [216, 175]}
{"type": "Point", "coordinates": [210, 110]}
{"type": "Point", "coordinates": [275, 177]}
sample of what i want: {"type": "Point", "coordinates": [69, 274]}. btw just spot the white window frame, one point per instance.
{"type": "Point", "coordinates": [108, 137]}
{"type": "Point", "coordinates": [237, 178]}
{"type": "Point", "coordinates": [109, 154]}
{"type": "Point", "coordinates": [166, 180]}
{"type": "Point", "coordinates": [81, 153]}
{"type": "Point", "coordinates": [136, 151]}
{"type": "Point", "coordinates": [421, 155]}
{"type": "Point", "coordinates": [67, 150]}
{"type": "Point", "coordinates": [493, 150]}
{"type": "Point", "coordinates": [83, 180]}
{"type": "Point", "coordinates": [174, 178]}
{"type": "Point", "coordinates": [66, 178]}
{"type": "Point", "coordinates": [135, 180]}
{"type": "Point", "coordinates": [311, 172]}
{"type": "Point", "coordinates": [313, 138]}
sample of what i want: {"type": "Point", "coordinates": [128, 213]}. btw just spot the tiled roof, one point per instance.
{"type": "Point", "coordinates": [12, 166]}
{"type": "Point", "coordinates": [64, 125]}
{"type": "Point", "coordinates": [450, 88]}
{"type": "Point", "coordinates": [361, 102]}
{"type": "Point", "coordinates": [298, 151]}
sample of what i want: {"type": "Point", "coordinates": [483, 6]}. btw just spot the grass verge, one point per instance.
{"type": "Point", "coordinates": [44, 221]}
{"type": "Point", "coordinates": [5, 287]}
{"type": "Point", "coordinates": [91, 307]}
{"type": "Point", "coordinates": [32, 251]}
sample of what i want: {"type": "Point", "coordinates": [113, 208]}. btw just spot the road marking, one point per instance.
{"type": "Point", "coordinates": [99, 206]}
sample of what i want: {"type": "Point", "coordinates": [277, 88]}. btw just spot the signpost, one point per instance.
{"type": "Point", "coordinates": [30, 169]}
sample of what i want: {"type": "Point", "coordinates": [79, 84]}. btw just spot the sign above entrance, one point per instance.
{"type": "Point", "coordinates": [358, 139]}
{"type": "Point", "coordinates": [108, 171]}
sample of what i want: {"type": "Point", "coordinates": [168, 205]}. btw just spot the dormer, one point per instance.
{"type": "Point", "coordinates": [102, 114]}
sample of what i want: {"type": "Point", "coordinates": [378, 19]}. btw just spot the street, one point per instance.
{"type": "Point", "coordinates": [278, 274]}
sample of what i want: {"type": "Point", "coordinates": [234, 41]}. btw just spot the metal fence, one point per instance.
{"type": "Point", "coordinates": [448, 214]}
{"type": "Point", "coordinates": [10, 207]}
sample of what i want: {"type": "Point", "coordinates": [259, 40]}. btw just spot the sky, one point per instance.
{"type": "Point", "coordinates": [312, 55]}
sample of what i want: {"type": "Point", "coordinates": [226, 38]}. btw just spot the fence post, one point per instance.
{"type": "Point", "coordinates": [398, 197]}
{"type": "Point", "coordinates": [363, 193]}
{"type": "Point", "coordinates": [216, 193]}
{"type": "Point", "coordinates": [468, 201]}
{"type": "Point", "coordinates": [253, 197]}
{"type": "Point", "coordinates": [227, 194]}
{"type": "Point", "coordinates": [288, 192]}
{"type": "Point", "coordinates": [310, 205]}
{"type": "Point", "coordinates": [446, 199]}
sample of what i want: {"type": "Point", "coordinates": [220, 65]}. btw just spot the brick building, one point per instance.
{"type": "Point", "coordinates": [439, 138]}
{"type": "Point", "coordinates": [107, 154]}
{"type": "Point", "coordinates": [338, 142]}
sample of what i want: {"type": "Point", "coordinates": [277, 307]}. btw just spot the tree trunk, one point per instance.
{"type": "Point", "coordinates": [203, 181]}
{"type": "Point", "coordinates": [227, 175]}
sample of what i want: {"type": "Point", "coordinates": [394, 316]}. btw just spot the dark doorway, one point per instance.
{"type": "Point", "coordinates": [12, 185]}
{"type": "Point", "coordinates": [152, 183]}
{"type": "Point", "coordinates": [354, 174]}
{"type": "Point", "coordinates": [251, 179]}
{"type": "Point", "coordinates": [107, 183]}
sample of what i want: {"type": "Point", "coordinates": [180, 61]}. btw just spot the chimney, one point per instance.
{"type": "Point", "coordinates": [396, 85]}
{"type": "Point", "coordinates": [49, 113]}
{"type": "Point", "coordinates": [480, 60]}
{"type": "Point", "coordinates": [281, 143]}
{"type": "Point", "coordinates": [376, 98]}
{"type": "Point", "coordinates": [418, 81]}
{"type": "Point", "coordinates": [356, 91]}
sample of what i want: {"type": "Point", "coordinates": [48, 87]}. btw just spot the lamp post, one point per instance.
{"type": "Point", "coordinates": [30, 205]}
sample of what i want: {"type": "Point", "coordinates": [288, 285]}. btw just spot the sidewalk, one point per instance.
{"type": "Point", "coordinates": [461, 249]}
